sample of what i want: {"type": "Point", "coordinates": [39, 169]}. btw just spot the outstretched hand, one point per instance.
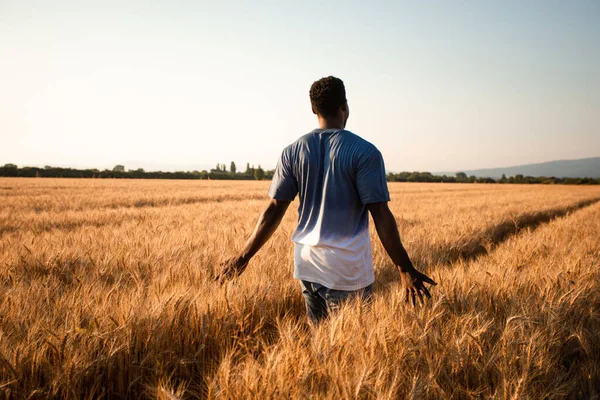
{"type": "Point", "coordinates": [414, 284]}
{"type": "Point", "coordinates": [231, 268]}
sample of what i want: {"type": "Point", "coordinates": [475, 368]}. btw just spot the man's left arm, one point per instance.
{"type": "Point", "coordinates": [267, 224]}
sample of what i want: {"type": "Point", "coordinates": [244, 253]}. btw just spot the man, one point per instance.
{"type": "Point", "coordinates": [340, 178]}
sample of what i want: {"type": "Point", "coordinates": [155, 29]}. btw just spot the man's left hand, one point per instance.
{"type": "Point", "coordinates": [413, 282]}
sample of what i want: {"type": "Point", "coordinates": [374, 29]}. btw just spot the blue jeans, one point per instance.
{"type": "Point", "coordinates": [320, 300]}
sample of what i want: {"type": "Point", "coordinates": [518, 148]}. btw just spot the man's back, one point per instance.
{"type": "Point", "coordinates": [335, 173]}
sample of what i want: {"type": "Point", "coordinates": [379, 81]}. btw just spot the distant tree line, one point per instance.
{"type": "Point", "coordinates": [251, 173]}
{"type": "Point", "coordinates": [119, 171]}
{"type": "Point", "coordinates": [461, 177]}
{"type": "Point", "coordinates": [220, 172]}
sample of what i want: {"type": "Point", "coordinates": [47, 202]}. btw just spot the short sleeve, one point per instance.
{"type": "Point", "coordinates": [370, 178]}
{"type": "Point", "coordinates": [284, 185]}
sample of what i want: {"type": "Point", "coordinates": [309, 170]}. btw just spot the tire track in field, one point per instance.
{"type": "Point", "coordinates": [78, 222]}
{"type": "Point", "coordinates": [67, 225]}
{"type": "Point", "coordinates": [142, 203]}
{"type": "Point", "coordinates": [482, 243]}
{"type": "Point", "coordinates": [183, 201]}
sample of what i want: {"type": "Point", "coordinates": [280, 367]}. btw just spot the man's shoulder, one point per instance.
{"type": "Point", "coordinates": [358, 139]}
{"type": "Point", "coordinates": [304, 139]}
{"type": "Point", "coordinates": [363, 146]}
{"type": "Point", "coordinates": [301, 141]}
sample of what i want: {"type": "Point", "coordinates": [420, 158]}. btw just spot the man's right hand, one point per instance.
{"type": "Point", "coordinates": [413, 282]}
{"type": "Point", "coordinates": [231, 268]}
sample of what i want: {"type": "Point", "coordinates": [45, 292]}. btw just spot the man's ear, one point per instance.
{"type": "Point", "coordinates": [313, 110]}
{"type": "Point", "coordinates": [344, 106]}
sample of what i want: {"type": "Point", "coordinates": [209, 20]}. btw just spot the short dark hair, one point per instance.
{"type": "Point", "coordinates": [327, 95]}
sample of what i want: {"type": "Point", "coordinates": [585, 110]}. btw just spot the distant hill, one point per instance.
{"type": "Point", "coordinates": [582, 168]}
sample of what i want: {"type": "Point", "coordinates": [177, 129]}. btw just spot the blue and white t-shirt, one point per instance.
{"type": "Point", "coordinates": [336, 173]}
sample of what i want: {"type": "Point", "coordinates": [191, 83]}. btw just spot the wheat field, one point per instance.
{"type": "Point", "coordinates": [106, 291]}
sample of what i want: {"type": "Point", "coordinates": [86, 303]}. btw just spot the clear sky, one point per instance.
{"type": "Point", "coordinates": [444, 86]}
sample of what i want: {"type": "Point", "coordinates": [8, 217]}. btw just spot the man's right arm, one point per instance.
{"type": "Point", "coordinates": [387, 229]}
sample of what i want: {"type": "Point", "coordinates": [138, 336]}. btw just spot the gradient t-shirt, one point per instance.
{"type": "Point", "coordinates": [336, 173]}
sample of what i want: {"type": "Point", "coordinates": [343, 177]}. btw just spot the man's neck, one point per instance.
{"type": "Point", "coordinates": [330, 124]}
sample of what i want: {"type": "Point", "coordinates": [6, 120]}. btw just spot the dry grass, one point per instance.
{"type": "Point", "coordinates": [106, 291]}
